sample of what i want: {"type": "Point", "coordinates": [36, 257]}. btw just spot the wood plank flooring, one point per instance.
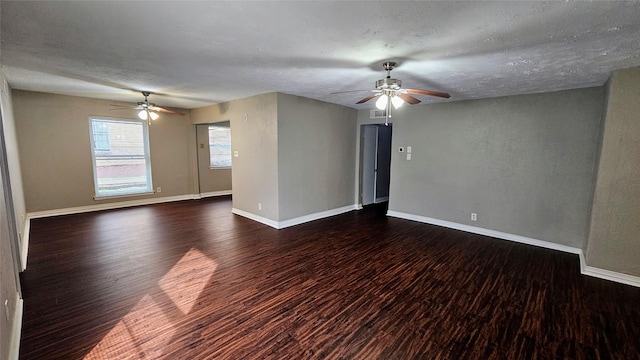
{"type": "Point", "coordinates": [190, 280]}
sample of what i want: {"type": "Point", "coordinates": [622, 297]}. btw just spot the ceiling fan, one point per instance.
{"type": "Point", "coordinates": [148, 111]}
{"type": "Point", "coordinates": [390, 92]}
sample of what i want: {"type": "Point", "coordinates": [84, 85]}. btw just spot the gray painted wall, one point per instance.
{"type": "Point", "coordinates": [55, 151]}
{"type": "Point", "coordinates": [255, 138]}
{"type": "Point", "coordinates": [295, 154]}
{"type": "Point", "coordinates": [315, 156]}
{"type": "Point", "coordinates": [524, 164]}
{"type": "Point", "coordinates": [13, 158]}
{"type": "Point", "coordinates": [210, 180]}
{"type": "Point", "coordinates": [8, 285]}
{"type": "Point", "coordinates": [614, 236]}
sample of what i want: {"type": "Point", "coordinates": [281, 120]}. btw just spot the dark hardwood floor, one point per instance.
{"type": "Point", "coordinates": [189, 280]}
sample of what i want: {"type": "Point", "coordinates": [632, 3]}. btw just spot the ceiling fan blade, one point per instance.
{"type": "Point", "coordinates": [122, 107]}
{"type": "Point", "coordinates": [163, 110]}
{"type": "Point", "coordinates": [428, 93]}
{"type": "Point", "coordinates": [346, 92]}
{"type": "Point", "coordinates": [409, 99]}
{"type": "Point", "coordinates": [366, 99]}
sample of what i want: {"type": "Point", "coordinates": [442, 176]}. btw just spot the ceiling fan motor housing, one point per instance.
{"type": "Point", "coordinates": [388, 84]}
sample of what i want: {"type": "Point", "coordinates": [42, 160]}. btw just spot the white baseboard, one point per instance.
{"type": "Point", "coordinates": [584, 268]}
{"type": "Point", "coordinates": [487, 232]}
{"type": "Point", "coordinates": [16, 330]}
{"type": "Point", "coordinates": [295, 221]}
{"type": "Point", "coordinates": [607, 274]}
{"type": "Point", "coordinates": [316, 216]}
{"type": "Point", "coordinates": [108, 206]}
{"type": "Point", "coordinates": [254, 217]}
{"type": "Point", "coordinates": [214, 193]}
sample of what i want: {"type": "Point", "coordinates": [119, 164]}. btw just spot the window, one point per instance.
{"type": "Point", "coordinates": [100, 135]}
{"type": "Point", "coordinates": [120, 151]}
{"type": "Point", "coordinates": [219, 146]}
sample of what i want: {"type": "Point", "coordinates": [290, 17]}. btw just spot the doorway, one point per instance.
{"type": "Point", "coordinates": [213, 141]}
{"type": "Point", "coordinates": [375, 145]}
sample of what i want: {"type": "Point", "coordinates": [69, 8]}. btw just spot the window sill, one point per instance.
{"type": "Point", "coordinates": [106, 197]}
{"type": "Point", "coordinates": [219, 167]}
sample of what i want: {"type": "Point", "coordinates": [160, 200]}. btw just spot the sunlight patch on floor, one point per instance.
{"type": "Point", "coordinates": [147, 329]}
{"type": "Point", "coordinates": [142, 334]}
{"type": "Point", "coordinates": [184, 282]}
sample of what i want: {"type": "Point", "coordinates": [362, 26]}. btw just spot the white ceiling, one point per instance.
{"type": "Point", "coordinates": [192, 54]}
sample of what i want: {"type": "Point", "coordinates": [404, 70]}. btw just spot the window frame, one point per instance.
{"type": "Point", "coordinates": [219, 167]}
{"type": "Point", "coordinates": [147, 157]}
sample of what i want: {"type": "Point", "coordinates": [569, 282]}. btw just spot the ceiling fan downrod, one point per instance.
{"type": "Point", "coordinates": [388, 66]}
{"type": "Point", "coordinates": [146, 95]}
{"type": "Point", "coordinates": [146, 113]}
{"type": "Point", "coordinates": [388, 82]}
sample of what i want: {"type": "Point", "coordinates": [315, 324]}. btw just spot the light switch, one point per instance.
{"type": "Point", "coordinates": [408, 149]}
{"type": "Point", "coordinates": [408, 156]}
{"type": "Point", "coordinates": [235, 153]}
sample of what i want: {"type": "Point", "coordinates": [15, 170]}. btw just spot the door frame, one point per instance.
{"type": "Point", "coordinates": [369, 164]}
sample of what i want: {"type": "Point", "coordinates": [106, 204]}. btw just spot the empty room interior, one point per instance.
{"type": "Point", "coordinates": [320, 180]}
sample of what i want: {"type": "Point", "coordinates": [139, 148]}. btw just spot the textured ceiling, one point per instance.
{"type": "Point", "coordinates": [192, 54]}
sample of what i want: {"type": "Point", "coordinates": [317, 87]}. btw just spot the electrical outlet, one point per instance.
{"type": "Point", "coordinates": [259, 206]}
{"type": "Point", "coordinates": [159, 189]}
{"type": "Point", "coordinates": [474, 216]}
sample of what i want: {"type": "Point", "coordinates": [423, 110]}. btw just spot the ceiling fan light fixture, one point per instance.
{"type": "Point", "coordinates": [382, 102]}
{"type": "Point", "coordinates": [397, 101]}
{"type": "Point", "coordinates": [145, 114]}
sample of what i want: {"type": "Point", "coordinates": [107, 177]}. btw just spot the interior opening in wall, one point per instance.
{"type": "Point", "coordinates": [214, 158]}
{"type": "Point", "coordinates": [375, 163]}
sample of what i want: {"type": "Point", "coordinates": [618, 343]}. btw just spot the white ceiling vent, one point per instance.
{"type": "Point", "coordinates": [378, 114]}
